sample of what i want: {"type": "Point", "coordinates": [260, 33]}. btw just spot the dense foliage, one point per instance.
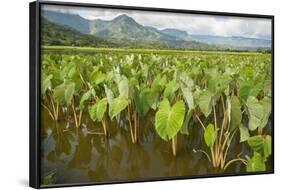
{"type": "Point", "coordinates": [229, 95]}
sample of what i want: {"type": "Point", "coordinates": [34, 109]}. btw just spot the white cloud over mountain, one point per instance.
{"type": "Point", "coordinates": [192, 23]}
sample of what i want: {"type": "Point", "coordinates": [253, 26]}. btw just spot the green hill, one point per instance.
{"type": "Point", "coordinates": [55, 34]}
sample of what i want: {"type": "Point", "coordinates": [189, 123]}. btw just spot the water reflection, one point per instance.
{"type": "Point", "coordinates": [84, 155]}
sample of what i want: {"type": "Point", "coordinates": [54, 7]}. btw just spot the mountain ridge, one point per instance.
{"type": "Point", "coordinates": [124, 30]}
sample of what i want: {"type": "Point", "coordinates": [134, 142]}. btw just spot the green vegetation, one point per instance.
{"type": "Point", "coordinates": [54, 34]}
{"type": "Point", "coordinates": [227, 94]}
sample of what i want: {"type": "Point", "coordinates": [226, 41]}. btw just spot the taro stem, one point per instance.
{"type": "Point", "coordinates": [74, 113]}
{"type": "Point", "coordinates": [54, 110]}
{"type": "Point", "coordinates": [174, 145]}
{"type": "Point", "coordinates": [130, 123]}
{"type": "Point", "coordinates": [136, 118]}
{"type": "Point", "coordinates": [104, 126]}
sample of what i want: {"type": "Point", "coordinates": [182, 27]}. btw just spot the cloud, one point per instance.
{"type": "Point", "coordinates": [192, 23]}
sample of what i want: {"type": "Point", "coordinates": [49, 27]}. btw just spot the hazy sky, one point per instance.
{"type": "Point", "coordinates": [192, 23]}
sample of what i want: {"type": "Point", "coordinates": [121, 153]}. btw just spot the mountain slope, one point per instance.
{"type": "Point", "coordinates": [122, 30]}
{"type": "Point", "coordinates": [54, 34]}
{"type": "Point", "coordinates": [178, 34]}
{"type": "Point", "coordinates": [125, 28]}
{"type": "Point", "coordinates": [75, 21]}
{"type": "Point", "coordinates": [236, 41]}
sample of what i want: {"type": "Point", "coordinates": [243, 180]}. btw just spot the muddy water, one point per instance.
{"type": "Point", "coordinates": [70, 156]}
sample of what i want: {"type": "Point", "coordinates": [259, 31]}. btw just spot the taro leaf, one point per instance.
{"type": "Point", "coordinates": [46, 84]}
{"type": "Point", "coordinates": [79, 85]}
{"type": "Point", "coordinates": [72, 71]}
{"type": "Point", "coordinates": [188, 116]}
{"type": "Point", "coordinates": [186, 81]}
{"type": "Point", "coordinates": [86, 96]}
{"type": "Point", "coordinates": [69, 92]}
{"type": "Point", "coordinates": [204, 100]}
{"type": "Point", "coordinates": [97, 77]}
{"type": "Point", "coordinates": [214, 84]}
{"type": "Point", "coordinates": [188, 96]}
{"type": "Point", "coordinates": [257, 143]}
{"type": "Point", "coordinates": [255, 113]}
{"type": "Point", "coordinates": [259, 112]}
{"type": "Point", "coordinates": [63, 93]}
{"type": "Point", "coordinates": [210, 135]}
{"type": "Point", "coordinates": [235, 113]}
{"type": "Point", "coordinates": [169, 119]}
{"type": "Point", "coordinates": [248, 72]}
{"type": "Point", "coordinates": [266, 104]}
{"type": "Point", "coordinates": [109, 94]}
{"type": "Point", "coordinates": [171, 87]}
{"type": "Point", "coordinates": [93, 112]}
{"type": "Point", "coordinates": [244, 91]}
{"type": "Point", "coordinates": [59, 94]}
{"type": "Point", "coordinates": [123, 87]}
{"type": "Point", "coordinates": [143, 100]}
{"type": "Point", "coordinates": [219, 84]}
{"type": "Point", "coordinates": [256, 163]}
{"type": "Point", "coordinates": [248, 88]}
{"type": "Point", "coordinates": [154, 95]}
{"type": "Point", "coordinates": [244, 133]}
{"type": "Point", "coordinates": [97, 111]}
{"type": "Point", "coordinates": [267, 146]}
{"type": "Point", "coordinates": [117, 105]}
{"type": "Point", "coordinates": [101, 108]}
{"type": "Point", "coordinates": [133, 83]}
{"type": "Point", "coordinates": [159, 82]}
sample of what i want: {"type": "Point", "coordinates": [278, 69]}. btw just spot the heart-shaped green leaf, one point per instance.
{"type": "Point", "coordinates": [117, 105]}
{"type": "Point", "coordinates": [63, 93]}
{"type": "Point", "coordinates": [143, 100]}
{"type": "Point", "coordinates": [97, 111]}
{"type": "Point", "coordinates": [204, 101]}
{"type": "Point", "coordinates": [169, 119]}
{"type": "Point", "coordinates": [259, 112]}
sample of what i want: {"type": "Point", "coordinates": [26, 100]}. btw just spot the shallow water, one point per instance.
{"type": "Point", "coordinates": [71, 155]}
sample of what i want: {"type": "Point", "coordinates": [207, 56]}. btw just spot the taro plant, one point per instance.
{"type": "Point", "coordinates": [261, 146]}
{"type": "Point", "coordinates": [97, 113]}
{"type": "Point", "coordinates": [219, 134]}
{"type": "Point", "coordinates": [47, 93]}
{"type": "Point", "coordinates": [63, 95]}
{"type": "Point", "coordinates": [169, 120]}
{"type": "Point", "coordinates": [259, 112]}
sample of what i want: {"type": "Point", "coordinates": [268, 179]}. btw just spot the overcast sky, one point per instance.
{"type": "Point", "coordinates": [192, 23]}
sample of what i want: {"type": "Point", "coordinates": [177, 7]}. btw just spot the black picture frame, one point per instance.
{"type": "Point", "coordinates": [34, 88]}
